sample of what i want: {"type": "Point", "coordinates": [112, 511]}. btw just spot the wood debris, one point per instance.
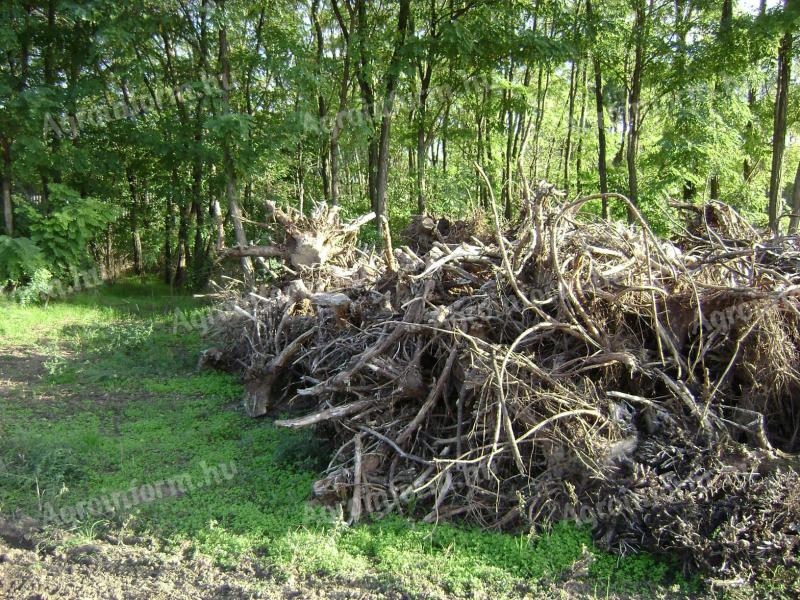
{"type": "Point", "coordinates": [569, 367]}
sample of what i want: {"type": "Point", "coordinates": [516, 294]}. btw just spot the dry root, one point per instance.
{"type": "Point", "coordinates": [569, 367]}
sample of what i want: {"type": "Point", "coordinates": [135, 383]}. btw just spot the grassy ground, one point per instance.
{"type": "Point", "coordinates": [99, 395]}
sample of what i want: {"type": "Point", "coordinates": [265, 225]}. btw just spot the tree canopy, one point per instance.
{"type": "Point", "coordinates": [151, 134]}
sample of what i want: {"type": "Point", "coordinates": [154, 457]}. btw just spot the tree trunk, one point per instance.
{"type": "Point", "coordinates": [231, 192]}
{"type": "Point", "coordinates": [522, 126]}
{"type": "Point", "coordinates": [169, 225]}
{"type": "Point", "coordinates": [391, 79]}
{"type": "Point", "coordinates": [197, 202]}
{"type": "Point", "coordinates": [617, 160]}
{"type": "Point", "coordinates": [54, 142]}
{"type": "Point", "coordinates": [445, 123]}
{"type": "Point", "coordinates": [321, 106]}
{"type": "Point", "coordinates": [300, 179]}
{"type": "Point", "coordinates": [600, 108]}
{"type": "Point", "coordinates": [219, 224]}
{"type": "Point", "coordinates": [487, 132]}
{"type": "Point", "coordinates": [8, 213]}
{"type": "Point", "coordinates": [747, 166]}
{"type": "Point", "coordinates": [248, 83]}
{"type": "Point", "coordinates": [795, 218]}
{"type": "Point", "coordinates": [581, 127]}
{"type": "Point", "coordinates": [362, 67]}
{"type": "Point", "coordinates": [479, 159]}
{"type": "Point", "coordinates": [726, 17]}
{"type": "Point", "coordinates": [134, 214]}
{"type": "Point", "coordinates": [542, 88]}
{"type": "Point", "coordinates": [634, 98]}
{"type": "Point", "coordinates": [689, 191]}
{"type": "Point", "coordinates": [507, 124]}
{"type": "Point", "coordinates": [573, 89]}
{"type": "Point", "coordinates": [422, 146]}
{"type": "Point", "coordinates": [714, 188]}
{"type": "Point", "coordinates": [236, 216]}
{"type": "Point", "coordinates": [338, 124]}
{"type": "Point", "coordinates": [200, 249]}
{"type": "Point", "coordinates": [779, 126]}
{"type": "Point", "coordinates": [601, 133]}
{"type": "Point", "coordinates": [109, 250]}
{"type": "Point", "coordinates": [182, 259]}
{"type": "Point", "coordinates": [422, 205]}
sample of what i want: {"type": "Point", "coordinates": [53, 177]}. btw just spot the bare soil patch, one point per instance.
{"type": "Point", "coordinates": [19, 367]}
{"type": "Point", "coordinates": [130, 572]}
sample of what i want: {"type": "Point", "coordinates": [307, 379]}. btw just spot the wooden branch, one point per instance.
{"type": "Point", "coordinates": [388, 252]}
{"type": "Point", "coordinates": [262, 251]}
{"type": "Point", "coordinates": [358, 223]}
{"type": "Point", "coordinates": [263, 389]}
{"type": "Point", "coordinates": [336, 412]}
{"type": "Point", "coordinates": [433, 396]}
{"type": "Point", "coordinates": [280, 216]}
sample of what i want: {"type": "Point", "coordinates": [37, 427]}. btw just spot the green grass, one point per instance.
{"type": "Point", "coordinates": [121, 405]}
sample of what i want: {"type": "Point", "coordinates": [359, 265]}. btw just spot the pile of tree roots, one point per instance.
{"type": "Point", "coordinates": [565, 368]}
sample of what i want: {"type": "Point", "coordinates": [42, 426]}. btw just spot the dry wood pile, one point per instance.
{"type": "Point", "coordinates": [569, 367]}
{"type": "Point", "coordinates": [424, 230]}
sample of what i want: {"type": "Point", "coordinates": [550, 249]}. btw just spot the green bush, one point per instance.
{"type": "Point", "coordinates": [64, 235]}
{"type": "Point", "coordinates": [37, 289]}
{"type": "Point", "coordinates": [20, 258]}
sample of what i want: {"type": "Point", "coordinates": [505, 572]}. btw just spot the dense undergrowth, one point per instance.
{"type": "Point", "coordinates": [107, 398]}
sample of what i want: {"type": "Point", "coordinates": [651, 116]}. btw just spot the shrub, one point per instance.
{"type": "Point", "coordinates": [64, 235]}
{"type": "Point", "coordinates": [37, 289]}
{"type": "Point", "coordinates": [20, 258]}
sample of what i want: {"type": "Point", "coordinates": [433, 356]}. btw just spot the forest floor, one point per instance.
{"type": "Point", "coordinates": [102, 411]}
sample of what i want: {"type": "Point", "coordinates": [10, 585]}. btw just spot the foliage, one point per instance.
{"type": "Point", "coordinates": [65, 234]}
{"type": "Point", "coordinates": [20, 258]}
{"type": "Point", "coordinates": [510, 86]}
{"type": "Point", "coordinates": [37, 289]}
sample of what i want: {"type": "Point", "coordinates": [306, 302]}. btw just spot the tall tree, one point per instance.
{"type": "Point", "coordinates": [389, 90]}
{"type": "Point", "coordinates": [600, 109]}
{"type": "Point", "coordinates": [641, 23]}
{"type": "Point", "coordinates": [779, 122]}
{"type": "Point", "coordinates": [231, 189]}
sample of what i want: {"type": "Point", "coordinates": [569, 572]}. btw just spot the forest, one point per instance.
{"type": "Point", "coordinates": [400, 299]}
{"type": "Point", "coordinates": [155, 131]}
